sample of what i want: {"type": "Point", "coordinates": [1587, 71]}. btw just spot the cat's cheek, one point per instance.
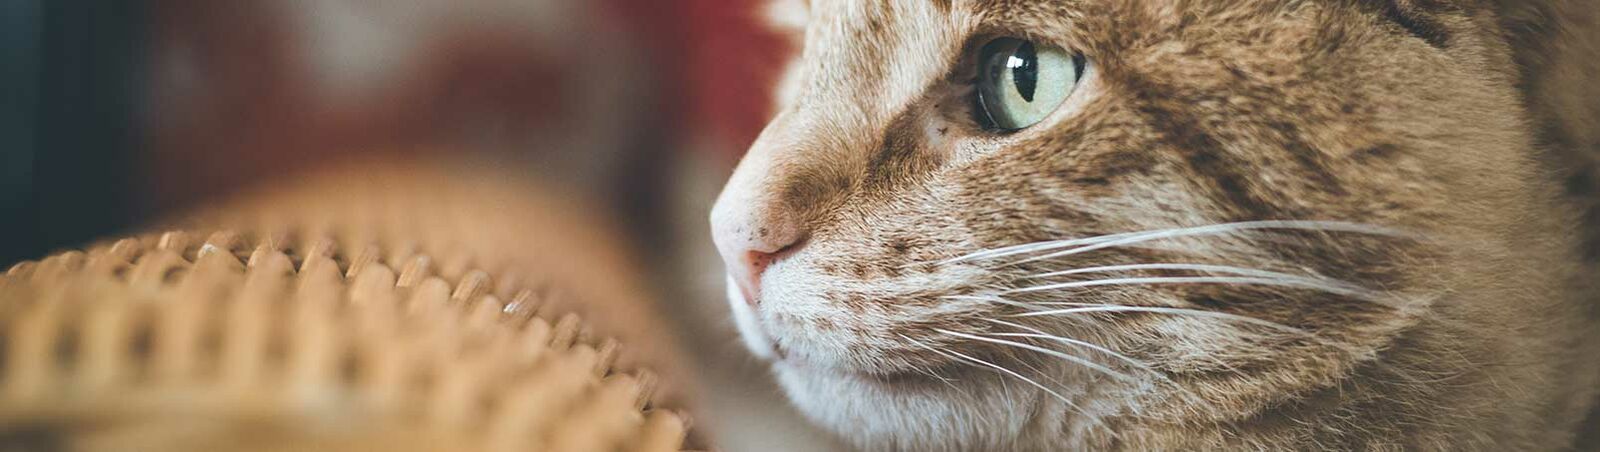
{"type": "Point", "coordinates": [749, 324]}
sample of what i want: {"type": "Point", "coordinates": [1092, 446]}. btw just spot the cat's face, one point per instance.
{"type": "Point", "coordinates": [989, 224]}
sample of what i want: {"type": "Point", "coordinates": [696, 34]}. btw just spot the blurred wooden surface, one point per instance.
{"type": "Point", "coordinates": [436, 303]}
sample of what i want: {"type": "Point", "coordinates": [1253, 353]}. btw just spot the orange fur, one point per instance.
{"type": "Point", "coordinates": [1456, 122]}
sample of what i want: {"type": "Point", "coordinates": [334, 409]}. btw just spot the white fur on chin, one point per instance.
{"type": "Point", "coordinates": [749, 325]}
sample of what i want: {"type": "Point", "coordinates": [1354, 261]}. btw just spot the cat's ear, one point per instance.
{"type": "Point", "coordinates": [789, 16]}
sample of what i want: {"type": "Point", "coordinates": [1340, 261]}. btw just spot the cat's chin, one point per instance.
{"type": "Point", "coordinates": [909, 411]}
{"type": "Point", "coordinates": [894, 381]}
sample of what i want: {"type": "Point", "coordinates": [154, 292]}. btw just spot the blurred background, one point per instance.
{"type": "Point", "coordinates": [115, 114]}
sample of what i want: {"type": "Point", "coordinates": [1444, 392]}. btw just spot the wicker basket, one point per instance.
{"type": "Point", "coordinates": [393, 307]}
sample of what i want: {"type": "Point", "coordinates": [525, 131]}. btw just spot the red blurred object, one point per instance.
{"type": "Point", "coordinates": [245, 90]}
{"type": "Point", "coordinates": [724, 56]}
{"type": "Point", "coordinates": [235, 96]}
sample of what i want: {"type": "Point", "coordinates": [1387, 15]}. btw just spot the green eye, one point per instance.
{"type": "Point", "coordinates": [1020, 82]}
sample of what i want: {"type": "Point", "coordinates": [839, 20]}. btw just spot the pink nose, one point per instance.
{"type": "Point", "coordinates": [751, 240]}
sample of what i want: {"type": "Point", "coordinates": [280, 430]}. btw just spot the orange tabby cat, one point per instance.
{"type": "Point", "coordinates": [1179, 224]}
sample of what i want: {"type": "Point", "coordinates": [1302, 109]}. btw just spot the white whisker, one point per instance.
{"type": "Point", "coordinates": [1303, 283]}
{"type": "Point", "coordinates": [1083, 245]}
{"type": "Point", "coordinates": [998, 300]}
{"type": "Point", "coordinates": [1159, 375]}
{"type": "Point", "coordinates": [1019, 376]}
{"type": "Point", "coordinates": [1051, 308]}
{"type": "Point", "coordinates": [947, 382]}
{"type": "Point", "coordinates": [1038, 246]}
{"type": "Point", "coordinates": [1075, 359]}
{"type": "Point", "coordinates": [931, 374]}
{"type": "Point", "coordinates": [1035, 333]}
{"type": "Point", "coordinates": [1320, 226]}
{"type": "Point", "coordinates": [1169, 311]}
{"type": "Point", "coordinates": [963, 357]}
{"type": "Point", "coordinates": [1181, 267]}
{"type": "Point", "coordinates": [1324, 284]}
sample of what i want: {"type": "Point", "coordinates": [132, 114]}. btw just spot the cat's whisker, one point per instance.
{"type": "Point", "coordinates": [1157, 374]}
{"type": "Point", "coordinates": [1083, 245]}
{"type": "Point", "coordinates": [1206, 268]}
{"type": "Point", "coordinates": [1036, 247]}
{"type": "Point", "coordinates": [1065, 356]}
{"type": "Point", "coordinates": [1090, 309]}
{"type": "Point", "coordinates": [1221, 229]}
{"type": "Point", "coordinates": [1018, 376]}
{"type": "Point", "coordinates": [947, 381]}
{"type": "Point", "coordinates": [1324, 284]}
{"type": "Point", "coordinates": [1295, 282]}
{"type": "Point", "coordinates": [1002, 369]}
{"type": "Point", "coordinates": [1049, 308]}
{"type": "Point", "coordinates": [1052, 305]}
{"type": "Point", "coordinates": [929, 372]}
{"type": "Point", "coordinates": [1035, 333]}
{"type": "Point", "coordinates": [997, 300]}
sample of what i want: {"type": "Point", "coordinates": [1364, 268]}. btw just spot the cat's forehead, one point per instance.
{"type": "Point", "coordinates": [876, 18]}
{"type": "Point", "coordinates": [878, 54]}
{"type": "Point", "coordinates": [854, 43]}
{"type": "Point", "coordinates": [865, 24]}
{"type": "Point", "coordinates": [881, 54]}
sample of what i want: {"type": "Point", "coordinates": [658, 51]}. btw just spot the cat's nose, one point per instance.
{"type": "Point", "coordinates": [751, 237]}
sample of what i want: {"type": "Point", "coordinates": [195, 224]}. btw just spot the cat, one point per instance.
{"type": "Point", "coordinates": [1178, 224]}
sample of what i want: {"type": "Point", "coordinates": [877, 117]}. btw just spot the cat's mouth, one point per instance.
{"type": "Point", "coordinates": [771, 348]}
{"type": "Point", "coordinates": [755, 338]}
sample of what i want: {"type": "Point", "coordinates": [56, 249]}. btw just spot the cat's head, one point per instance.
{"type": "Point", "coordinates": [985, 224]}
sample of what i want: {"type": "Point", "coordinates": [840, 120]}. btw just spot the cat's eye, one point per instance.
{"type": "Point", "coordinates": [1021, 82]}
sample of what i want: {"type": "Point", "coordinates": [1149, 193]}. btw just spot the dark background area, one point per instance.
{"type": "Point", "coordinates": [116, 113]}
{"type": "Point", "coordinates": [71, 80]}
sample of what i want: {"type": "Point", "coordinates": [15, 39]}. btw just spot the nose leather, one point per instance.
{"type": "Point", "coordinates": [751, 237]}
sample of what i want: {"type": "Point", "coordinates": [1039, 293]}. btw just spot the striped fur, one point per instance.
{"type": "Point", "coordinates": [1398, 266]}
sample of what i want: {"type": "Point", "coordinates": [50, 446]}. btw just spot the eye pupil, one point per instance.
{"type": "Point", "coordinates": [1024, 66]}
{"type": "Point", "coordinates": [1021, 82]}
